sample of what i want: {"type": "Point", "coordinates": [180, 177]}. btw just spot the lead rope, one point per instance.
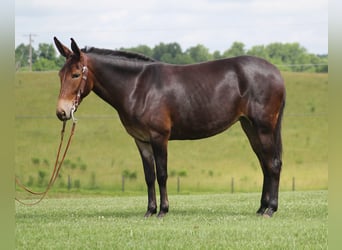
{"type": "Point", "coordinates": [57, 166]}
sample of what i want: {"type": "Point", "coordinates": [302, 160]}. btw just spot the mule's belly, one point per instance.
{"type": "Point", "coordinates": [200, 130]}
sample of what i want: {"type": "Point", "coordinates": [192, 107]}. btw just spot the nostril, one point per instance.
{"type": "Point", "coordinates": [63, 109]}
{"type": "Point", "coordinates": [61, 115]}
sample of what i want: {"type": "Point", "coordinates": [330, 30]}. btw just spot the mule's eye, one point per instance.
{"type": "Point", "coordinates": [75, 75]}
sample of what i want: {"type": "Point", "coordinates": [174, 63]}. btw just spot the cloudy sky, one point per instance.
{"type": "Point", "coordinates": [214, 23]}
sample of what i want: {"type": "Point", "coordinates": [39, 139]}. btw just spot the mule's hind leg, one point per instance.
{"type": "Point", "coordinates": [271, 158]}
{"type": "Point", "coordinates": [265, 145]}
{"type": "Point", "coordinates": [253, 138]}
{"type": "Point", "coordinates": [159, 145]}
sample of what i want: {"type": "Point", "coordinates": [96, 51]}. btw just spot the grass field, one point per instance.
{"type": "Point", "coordinates": [204, 215]}
{"type": "Point", "coordinates": [101, 149]}
{"type": "Point", "coordinates": [215, 221]}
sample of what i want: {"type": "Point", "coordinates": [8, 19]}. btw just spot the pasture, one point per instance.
{"type": "Point", "coordinates": [96, 214]}
{"type": "Point", "coordinates": [215, 221]}
{"type": "Point", "coordinates": [101, 151]}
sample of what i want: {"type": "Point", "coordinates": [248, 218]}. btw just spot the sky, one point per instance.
{"type": "Point", "coordinates": [216, 24]}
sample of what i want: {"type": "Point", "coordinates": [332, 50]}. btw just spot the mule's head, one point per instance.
{"type": "Point", "coordinates": [75, 82]}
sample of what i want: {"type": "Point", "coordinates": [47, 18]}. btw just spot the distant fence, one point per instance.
{"type": "Point", "coordinates": [77, 184]}
{"type": "Point", "coordinates": [307, 67]}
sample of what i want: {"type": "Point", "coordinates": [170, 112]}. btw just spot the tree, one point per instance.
{"type": "Point", "coordinates": [199, 53]}
{"type": "Point", "coordinates": [59, 61]}
{"type": "Point", "coordinates": [159, 50]}
{"type": "Point", "coordinates": [44, 64]}
{"type": "Point", "coordinates": [287, 56]}
{"type": "Point", "coordinates": [323, 60]}
{"type": "Point", "coordinates": [163, 52]}
{"type": "Point", "coordinates": [183, 59]}
{"type": "Point", "coordinates": [217, 55]}
{"type": "Point", "coordinates": [46, 51]}
{"type": "Point", "coordinates": [142, 49]}
{"type": "Point", "coordinates": [259, 51]}
{"type": "Point", "coordinates": [174, 49]}
{"type": "Point", "coordinates": [237, 49]}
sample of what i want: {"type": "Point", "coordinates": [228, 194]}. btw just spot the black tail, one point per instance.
{"type": "Point", "coordinates": [277, 132]}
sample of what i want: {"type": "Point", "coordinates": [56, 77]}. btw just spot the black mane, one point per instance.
{"type": "Point", "coordinates": [118, 53]}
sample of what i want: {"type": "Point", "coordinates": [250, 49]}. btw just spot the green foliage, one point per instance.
{"type": "Point", "coordinates": [182, 173]}
{"type": "Point", "coordinates": [142, 49]}
{"type": "Point", "coordinates": [78, 164]}
{"type": "Point", "coordinates": [41, 178]}
{"type": "Point", "coordinates": [287, 56]}
{"type": "Point", "coordinates": [44, 64]}
{"type": "Point", "coordinates": [199, 53]}
{"type": "Point", "coordinates": [77, 184]}
{"type": "Point", "coordinates": [209, 221]}
{"type": "Point", "coordinates": [291, 57]}
{"type": "Point", "coordinates": [35, 161]}
{"type": "Point", "coordinates": [132, 175]}
{"type": "Point", "coordinates": [46, 51]}
{"type": "Point", "coordinates": [237, 49]}
{"type": "Point", "coordinates": [22, 55]}
{"type": "Point", "coordinates": [30, 181]}
{"type": "Point", "coordinates": [164, 51]}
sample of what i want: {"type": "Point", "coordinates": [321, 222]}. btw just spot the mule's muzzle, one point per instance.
{"type": "Point", "coordinates": [62, 115]}
{"type": "Point", "coordinates": [65, 109]}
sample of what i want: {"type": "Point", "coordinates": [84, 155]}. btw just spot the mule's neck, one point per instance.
{"type": "Point", "coordinates": [114, 78]}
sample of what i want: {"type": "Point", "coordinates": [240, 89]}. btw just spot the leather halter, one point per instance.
{"type": "Point", "coordinates": [80, 91]}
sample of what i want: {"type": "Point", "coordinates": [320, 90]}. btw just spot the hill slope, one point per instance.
{"type": "Point", "coordinates": [101, 149]}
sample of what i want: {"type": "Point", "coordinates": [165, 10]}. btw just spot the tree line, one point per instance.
{"type": "Point", "coordinates": [287, 56]}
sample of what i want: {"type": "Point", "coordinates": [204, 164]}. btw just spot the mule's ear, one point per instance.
{"type": "Point", "coordinates": [62, 49]}
{"type": "Point", "coordinates": [75, 48]}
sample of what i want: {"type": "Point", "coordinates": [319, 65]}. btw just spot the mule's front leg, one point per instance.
{"type": "Point", "coordinates": [159, 146]}
{"type": "Point", "coordinates": [146, 154]}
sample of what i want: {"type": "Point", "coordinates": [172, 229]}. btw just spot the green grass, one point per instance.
{"type": "Point", "coordinates": [102, 146]}
{"type": "Point", "coordinates": [215, 221]}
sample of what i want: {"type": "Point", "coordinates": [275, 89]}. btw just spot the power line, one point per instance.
{"type": "Point", "coordinates": [30, 51]}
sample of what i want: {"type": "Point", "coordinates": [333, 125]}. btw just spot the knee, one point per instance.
{"type": "Point", "coordinates": [150, 179]}
{"type": "Point", "coordinates": [162, 176]}
{"type": "Point", "coordinates": [277, 163]}
{"type": "Point", "coordinates": [276, 166]}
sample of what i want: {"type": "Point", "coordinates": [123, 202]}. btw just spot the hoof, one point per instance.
{"type": "Point", "coordinates": [266, 216]}
{"type": "Point", "coordinates": [261, 211]}
{"type": "Point", "coordinates": [149, 213]}
{"type": "Point", "coordinates": [161, 214]}
{"type": "Point", "coordinates": [265, 212]}
{"type": "Point", "coordinates": [269, 213]}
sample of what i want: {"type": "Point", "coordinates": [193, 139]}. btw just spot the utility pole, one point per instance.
{"type": "Point", "coordinates": [30, 51]}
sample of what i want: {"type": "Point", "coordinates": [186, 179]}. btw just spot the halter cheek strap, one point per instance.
{"type": "Point", "coordinates": [83, 82]}
{"type": "Point", "coordinates": [80, 91]}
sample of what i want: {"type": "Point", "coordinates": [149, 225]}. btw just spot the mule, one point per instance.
{"type": "Point", "coordinates": [158, 102]}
